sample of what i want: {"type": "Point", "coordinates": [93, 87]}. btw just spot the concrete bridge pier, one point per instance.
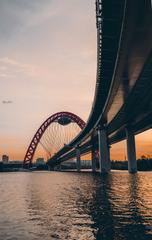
{"type": "Point", "coordinates": [131, 151]}
{"type": "Point", "coordinates": [93, 154]}
{"type": "Point", "coordinates": [93, 159]}
{"type": "Point", "coordinates": [104, 156]}
{"type": "Point", "coordinates": [78, 159]}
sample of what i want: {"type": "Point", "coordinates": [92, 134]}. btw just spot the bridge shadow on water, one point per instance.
{"type": "Point", "coordinates": [88, 206]}
{"type": "Point", "coordinates": [116, 210]}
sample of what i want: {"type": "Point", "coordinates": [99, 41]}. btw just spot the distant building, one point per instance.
{"type": "Point", "coordinates": [86, 163]}
{"type": "Point", "coordinates": [5, 159]}
{"type": "Point", "coordinates": [40, 161]}
{"type": "Point", "coordinates": [16, 162]}
{"type": "Point", "coordinates": [1, 167]}
{"type": "Point", "coordinates": [69, 164]}
{"type": "Point", "coordinates": [72, 164]}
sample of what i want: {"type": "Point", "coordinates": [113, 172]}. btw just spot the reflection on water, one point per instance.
{"type": "Point", "coordinates": [73, 206]}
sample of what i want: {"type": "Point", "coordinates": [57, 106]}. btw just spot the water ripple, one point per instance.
{"type": "Point", "coordinates": [74, 206]}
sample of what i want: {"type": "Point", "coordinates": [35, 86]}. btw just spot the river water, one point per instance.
{"type": "Point", "coordinates": [75, 206]}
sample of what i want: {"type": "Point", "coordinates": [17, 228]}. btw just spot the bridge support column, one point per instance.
{"type": "Point", "coordinates": [49, 168]}
{"type": "Point", "coordinates": [93, 153]}
{"type": "Point", "coordinates": [93, 159]}
{"type": "Point", "coordinates": [131, 151]}
{"type": "Point", "coordinates": [78, 159]}
{"type": "Point", "coordinates": [104, 156]}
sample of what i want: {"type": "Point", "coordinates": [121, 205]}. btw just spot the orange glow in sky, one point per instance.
{"type": "Point", "coordinates": [48, 65]}
{"type": "Point", "coordinates": [143, 147]}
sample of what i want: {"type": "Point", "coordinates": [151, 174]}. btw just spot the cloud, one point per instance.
{"type": "Point", "coordinates": [18, 14]}
{"type": "Point", "coordinates": [47, 62]}
{"type": "Point", "coordinates": [4, 75]}
{"type": "Point", "coordinates": [7, 101]}
{"type": "Point", "coordinates": [10, 67]}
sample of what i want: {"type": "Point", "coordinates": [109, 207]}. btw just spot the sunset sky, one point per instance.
{"type": "Point", "coordinates": [47, 64]}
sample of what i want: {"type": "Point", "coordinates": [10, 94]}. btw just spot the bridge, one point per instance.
{"type": "Point", "coordinates": [51, 131]}
{"type": "Point", "coordinates": [122, 105]}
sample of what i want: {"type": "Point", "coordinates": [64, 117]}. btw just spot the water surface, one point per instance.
{"type": "Point", "coordinates": [74, 206]}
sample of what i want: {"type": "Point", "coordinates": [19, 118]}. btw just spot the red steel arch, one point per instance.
{"type": "Point", "coordinates": [35, 140]}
